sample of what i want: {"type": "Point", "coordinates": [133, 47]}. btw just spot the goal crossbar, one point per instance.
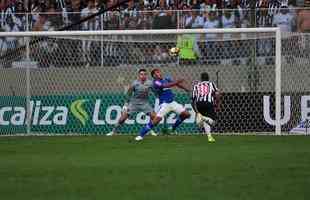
{"type": "Point", "coordinates": [138, 32]}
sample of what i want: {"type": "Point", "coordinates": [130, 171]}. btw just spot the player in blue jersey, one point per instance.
{"type": "Point", "coordinates": [162, 88]}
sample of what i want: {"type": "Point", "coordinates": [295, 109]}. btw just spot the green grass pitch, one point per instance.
{"type": "Point", "coordinates": [165, 167]}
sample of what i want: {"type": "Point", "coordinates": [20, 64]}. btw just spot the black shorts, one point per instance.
{"type": "Point", "coordinates": [206, 109]}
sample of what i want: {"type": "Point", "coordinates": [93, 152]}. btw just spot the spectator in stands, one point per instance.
{"type": "Point", "coordinates": [113, 21]}
{"type": "Point", "coordinates": [54, 16]}
{"type": "Point", "coordinates": [145, 20]}
{"type": "Point", "coordinates": [184, 13]}
{"type": "Point", "coordinates": [284, 19]}
{"type": "Point", "coordinates": [43, 49]}
{"type": "Point", "coordinates": [3, 44]}
{"type": "Point", "coordinates": [144, 25]}
{"type": "Point", "coordinates": [20, 17]}
{"type": "Point", "coordinates": [37, 8]}
{"type": "Point", "coordinates": [172, 14]}
{"type": "Point", "coordinates": [228, 21]}
{"type": "Point", "coordinates": [303, 25]}
{"type": "Point", "coordinates": [211, 21]}
{"type": "Point", "coordinates": [2, 5]}
{"type": "Point", "coordinates": [132, 24]}
{"type": "Point", "coordinates": [4, 51]}
{"type": "Point", "coordinates": [42, 23]}
{"type": "Point", "coordinates": [131, 9]}
{"type": "Point", "coordinates": [11, 22]}
{"type": "Point", "coordinates": [208, 5]}
{"type": "Point", "coordinates": [228, 18]}
{"type": "Point", "coordinates": [195, 4]}
{"type": "Point", "coordinates": [74, 14]}
{"type": "Point", "coordinates": [124, 24]}
{"type": "Point", "coordinates": [211, 46]}
{"type": "Point", "coordinates": [7, 9]}
{"type": "Point", "coordinates": [16, 13]}
{"type": "Point", "coordinates": [162, 17]}
{"type": "Point", "coordinates": [194, 20]}
{"type": "Point", "coordinates": [303, 18]}
{"type": "Point", "coordinates": [263, 14]}
{"type": "Point", "coordinates": [5, 4]}
{"type": "Point", "coordinates": [10, 26]}
{"type": "Point", "coordinates": [92, 24]}
{"type": "Point", "coordinates": [239, 13]}
{"type": "Point", "coordinates": [264, 18]}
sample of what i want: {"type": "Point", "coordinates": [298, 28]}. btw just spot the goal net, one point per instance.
{"type": "Point", "coordinates": [74, 82]}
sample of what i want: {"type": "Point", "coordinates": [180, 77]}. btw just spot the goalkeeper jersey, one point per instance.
{"type": "Point", "coordinates": [140, 91]}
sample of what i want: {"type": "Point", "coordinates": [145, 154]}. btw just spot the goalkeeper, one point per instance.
{"type": "Point", "coordinates": [205, 102]}
{"type": "Point", "coordinates": [137, 100]}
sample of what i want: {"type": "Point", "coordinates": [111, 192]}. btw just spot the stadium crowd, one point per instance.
{"type": "Point", "coordinates": [49, 15]}
{"type": "Point", "coordinates": [22, 15]}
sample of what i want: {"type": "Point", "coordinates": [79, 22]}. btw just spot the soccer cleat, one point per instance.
{"type": "Point", "coordinates": [153, 133]}
{"type": "Point", "coordinates": [172, 131]}
{"type": "Point", "coordinates": [138, 138]}
{"type": "Point", "coordinates": [210, 138]}
{"type": "Point", "coordinates": [110, 134]}
{"type": "Point", "coordinates": [200, 119]}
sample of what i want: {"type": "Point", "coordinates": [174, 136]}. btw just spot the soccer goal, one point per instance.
{"type": "Point", "coordinates": [73, 82]}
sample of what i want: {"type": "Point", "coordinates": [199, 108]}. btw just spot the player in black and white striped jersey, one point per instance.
{"type": "Point", "coordinates": [205, 102]}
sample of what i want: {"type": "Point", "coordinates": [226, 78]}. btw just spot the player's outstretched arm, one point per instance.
{"type": "Point", "coordinates": [128, 94]}
{"type": "Point", "coordinates": [172, 84]}
{"type": "Point", "coordinates": [180, 85]}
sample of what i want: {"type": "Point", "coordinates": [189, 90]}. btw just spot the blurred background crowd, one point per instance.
{"type": "Point", "coordinates": [42, 15]}
{"type": "Point", "coordinates": [49, 15]}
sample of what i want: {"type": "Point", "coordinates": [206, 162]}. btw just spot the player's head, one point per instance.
{"type": "Point", "coordinates": [156, 74]}
{"type": "Point", "coordinates": [204, 76]}
{"type": "Point", "coordinates": [142, 74]}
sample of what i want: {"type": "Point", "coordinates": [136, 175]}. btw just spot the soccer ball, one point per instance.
{"type": "Point", "coordinates": [174, 51]}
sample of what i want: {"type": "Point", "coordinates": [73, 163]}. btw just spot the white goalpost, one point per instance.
{"type": "Point", "coordinates": [72, 82]}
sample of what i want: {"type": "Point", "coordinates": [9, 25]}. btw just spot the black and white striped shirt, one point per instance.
{"type": "Point", "coordinates": [204, 91]}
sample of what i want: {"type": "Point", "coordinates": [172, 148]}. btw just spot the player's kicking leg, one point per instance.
{"type": "Point", "coordinates": [154, 120]}
{"type": "Point", "coordinates": [152, 117]}
{"type": "Point", "coordinates": [164, 109]}
{"type": "Point", "coordinates": [181, 117]}
{"type": "Point", "coordinates": [205, 123]}
{"type": "Point", "coordinates": [182, 114]}
{"type": "Point", "coordinates": [120, 121]}
{"type": "Point", "coordinates": [148, 127]}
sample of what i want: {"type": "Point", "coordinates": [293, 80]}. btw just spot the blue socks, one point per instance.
{"type": "Point", "coordinates": [150, 125]}
{"type": "Point", "coordinates": [146, 129]}
{"type": "Point", "coordinates": [177, 123]}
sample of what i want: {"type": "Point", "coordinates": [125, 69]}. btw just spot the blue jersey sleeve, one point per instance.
{"type": "Point", "coordinates": [169, 79]}
{"type": "Point", "coordinates": [158, 84]}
